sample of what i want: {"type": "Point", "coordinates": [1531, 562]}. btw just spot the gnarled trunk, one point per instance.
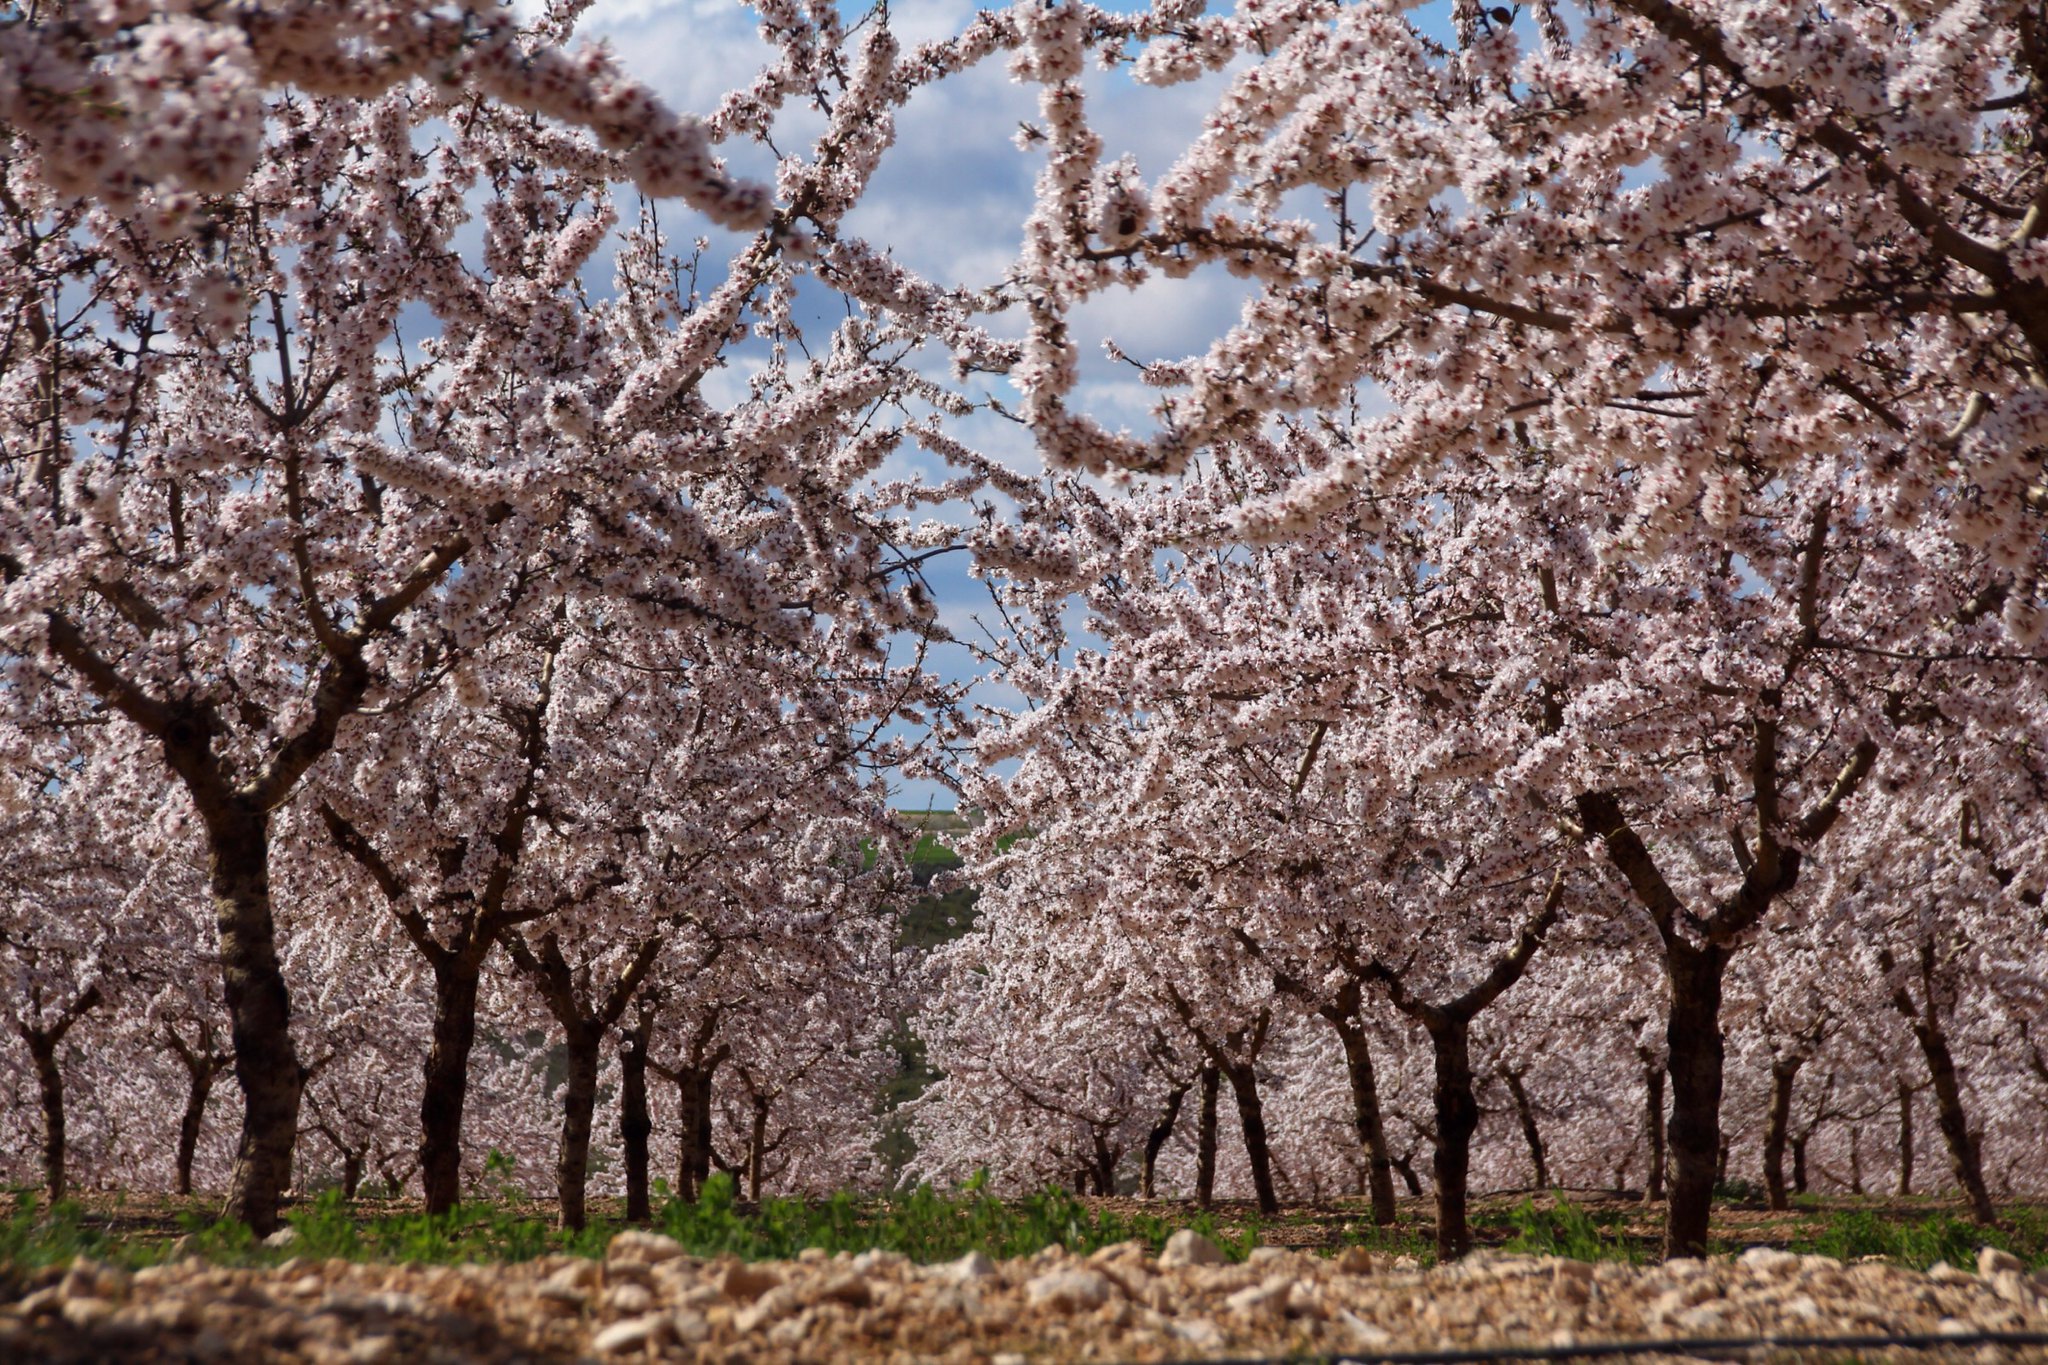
{"type": "Point", "coordinates": [1457, 1119]}
{"type": "Point", "coordinates": [757, 1147]}
{"type": "Point", "coordinates": [1784, 1074]}
{"type": "Point", "coordinates": [1366, 1118]}
{"type": "Point", "coordinates": [198, 1088]}
{"type": "Point", "coordinates": [456, 979]}
{"type": "Point", "coordinates": [1156, 1139]}
{"type": "Point", "coordinates": [579, 1103]}
{"type": "Point", "coordinates": [259, 1006]}
{"type": "Point", "coordinates": [1697, 1056]}
{"type": "Point", "coordinates": [1205, 1138]}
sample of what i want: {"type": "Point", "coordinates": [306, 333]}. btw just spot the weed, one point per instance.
{"type": "Point", "coordinates": [1566, 1229]}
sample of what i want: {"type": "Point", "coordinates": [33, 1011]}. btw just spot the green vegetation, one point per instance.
{"type": "Point", "coordinates": [1570, 1230]}
{"type": "Point", "coordinates": [923, 1224]}
{"type": "Point", "coordinates": [1849, 1234]}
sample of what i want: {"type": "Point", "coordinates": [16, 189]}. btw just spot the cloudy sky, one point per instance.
{"type": "Point", "coordinates": [949, 202]}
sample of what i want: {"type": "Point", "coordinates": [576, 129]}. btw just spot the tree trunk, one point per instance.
{"type": "Point", "coordinates": [1405, 1168]}
{"type": "Point", "coordinates": [1103, 1173]}
{"type": "Point", "coordinates": [1251, 1117]}
{"type": "Point", "coordinates": [1693, 1034]}
{"type": "Point", "coordinates": [1905, 1093]}
{"type": "Point", "coordinates": [1531, 1133]}
{"type": "Point", "coordinates": [1964, 1152]}
{"type": "Point", "coordinates": [1365, 1110]}
{"type": "Point", "coordinates": [579, 1103]}
{"type": "Point", "coordinates": [1784, 1074]}
{"type": "Point", "coordinates": [1156, 1139]}
{"type": "Point", "coordinates": [198, 1089]}
{"type": "Point", "coordinates": [757, 1147]}
{"type": "Point", "coordinates": [1205, 1138]}
{"type": "Point", "coordinates": [1457, 1119]}
{"type": "Point", "coordinates": [693, 1129]}
{"type": "Point", "coordinates": [260, 1010]}
{"type": "Point", "coordinates": [351, 1173]}
{"type": "Point", "coordinates": [636, 1124]}
{"type": "Point", "coordinates": [1653, 1125]}
{"type": "Point", "coordinates": [447, 1077]}
{"type": "Point", "coordinates": [1799, 1162]}
{"type": "Point", "coordinates": [42, 1050]}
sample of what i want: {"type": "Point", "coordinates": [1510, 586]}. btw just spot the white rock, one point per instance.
{"type": "Point", "coordinates": [1990, 1261]}
{"type": "Point", "coordinates": [1188, 1247]}
{"type": "Point", "coordinates": [1070, 1291]}
{"type": "Point", "coordinates": [689, 1328]}
{"type": "Point", "coordinates": [1260, 1299]}
{"type": "Point", "coordinates": [634, 1334]}
{"type": "Point", "coordinates": [1200, 1333]}
{"type": "Point", "coordinates": [1264, 1255]}
{"type": "Point", "coordinates": [972, 1266]}
{"type": "Point", "coordinates": [637, 1244]}
{"type": "Point", "coordinates": [629, 1300]}
{"type": "Point", "coordinates": [1767, 1261]}
{"type": "Point", "coordinates": [283, 1237]}
{"type": "Point", "coordinates": [1368, 1334]}
{"type": "Point", "coordinates": [778, 1302]}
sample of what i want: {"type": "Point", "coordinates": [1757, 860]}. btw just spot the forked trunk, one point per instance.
{"type": "Point", "coordinates": [1457, 1119]}
{"type": "Point", "coordinates": [1251, 1116]}
{"type": "Point", "coordinates": [1366, 1118]}
{"type": "Point", "coordinates": [1693, 1035]}
{"type": "Point", "coordinates": [446, 1092]}
{"type": "Point", "coordinates": [1205, 1138]}
{"type": "Point", "coordinates": [579, 1103]}
{"type": "Point", "coordinates": [259, 1009]}
{"type": "Point", "coordinates": [1156, 1139]}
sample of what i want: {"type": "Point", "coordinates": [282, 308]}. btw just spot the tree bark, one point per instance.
{"type": "Point", "coordinates": [1405, 1168]}
{"type": "Point", "coordinates": [1205, 1138]}
{"type": "Point", "coordinates": [1366, 1116]}
{"type": "Point", "coordinates": [1697, 1056]}
{"type": "Point", "coordinates": [259, 1008]}
{"type": "Point", "coordinates": [1251, 1117]}
{"type": "Point", "coordinates": [42, 1051]}
{"type": "Point", "coordinates": [636, 1124]}
{"type": "Point", "coordinates": [1653, 1126]}
{"type": "Point", "coordinates": [1905, 1093]}
{"type": "Point", "coordinates": [1965, 1155]}
{"type": "Point", "coordinates": [1156, 1139]}
{"type": "Point", "coordinates": [757, 1147]}
{"type": "Point", "coordinates": [579, 1104]}
{"type": "Point", "coordinates": [1457, 1119]}
{"type": "Point", "coordinates": [446, 1091]}
{"type": "Point", "coordinates": [1531, 1133]}
{"type": "Point", "coordinates": [693, 1130]}
{"type": "Point", "coordinates": [198, 1089]}
{"type": "Point", "coordinates": [1784, 1074]}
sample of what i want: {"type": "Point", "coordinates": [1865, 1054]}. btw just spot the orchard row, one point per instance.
{"type": "Point", "coordinates": [1570, 648]}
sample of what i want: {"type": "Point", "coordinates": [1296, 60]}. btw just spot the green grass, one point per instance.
{"type": "Point", "coordinates": [1570, 1230]}
{"type": "Point", "coordinates": [1853, 1233]}
{"type": "Point", "coordinates": [923, 1224]}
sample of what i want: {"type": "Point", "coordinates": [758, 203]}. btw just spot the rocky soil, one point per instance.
{"type": "Point", "coordinates": [647, 1301]}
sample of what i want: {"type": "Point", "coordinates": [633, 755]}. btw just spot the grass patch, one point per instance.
{"type": "Point", "coordinates": [1850, 1234]}
{"type": "Point", "coordinates": [1570, 1230]}
{"type": "Point", "coordinates": [924, 1224]}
